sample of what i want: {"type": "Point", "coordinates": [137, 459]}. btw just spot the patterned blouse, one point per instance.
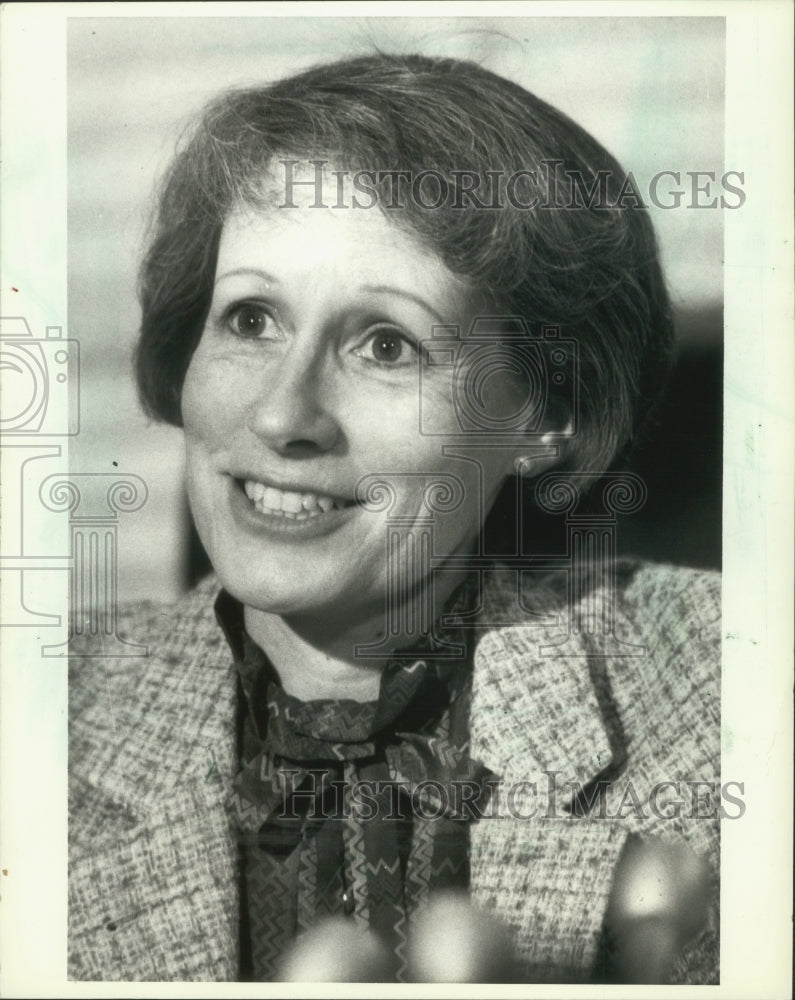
{"type": "Point", "coordinates": [351, 808]}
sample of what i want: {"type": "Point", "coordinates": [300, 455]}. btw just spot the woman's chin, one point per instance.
{"type": "Point", "coordinates": [292, 595]}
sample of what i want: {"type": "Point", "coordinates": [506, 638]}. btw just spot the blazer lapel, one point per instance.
{"type": "Point", "coordinates": [536, 717]}
{"type": "Point", "coordinates": [537, 724]}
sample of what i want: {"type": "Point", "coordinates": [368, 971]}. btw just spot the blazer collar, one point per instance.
{"type": "Point", "coordinates": [532, 713]}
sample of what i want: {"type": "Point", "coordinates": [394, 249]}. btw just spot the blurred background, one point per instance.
{"type": "Point", "coordinates": [651, 89]}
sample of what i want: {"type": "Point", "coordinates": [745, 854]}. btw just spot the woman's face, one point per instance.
{"type": "Point", "coordinates": [306, 380]}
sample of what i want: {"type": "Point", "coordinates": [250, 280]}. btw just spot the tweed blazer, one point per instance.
{"type": "Point", "coordinates": [153, 869]}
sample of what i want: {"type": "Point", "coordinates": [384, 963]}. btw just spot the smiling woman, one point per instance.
{"type": "Point", "coordinates": [303, 383]}
{"type": "Point", "coordinates": [391, 713]}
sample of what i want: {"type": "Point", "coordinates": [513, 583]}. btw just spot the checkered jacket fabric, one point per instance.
{"type": "Point", "coordinates": [620, 692]}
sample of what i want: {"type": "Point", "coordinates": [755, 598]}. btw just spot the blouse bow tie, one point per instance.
{"type": "Point", "coordinates": [393, 777]}
{"type": "Point", "coordinates": [436, 777]}
{"type": "Point", "coordinates": [414, 736]}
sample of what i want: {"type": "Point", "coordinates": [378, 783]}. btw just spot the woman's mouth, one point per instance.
{"type": "Point", "coordinates": [293, 505]}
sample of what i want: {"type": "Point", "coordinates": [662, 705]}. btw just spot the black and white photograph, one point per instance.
{"type": "Point", "coordinates": [397, 543]}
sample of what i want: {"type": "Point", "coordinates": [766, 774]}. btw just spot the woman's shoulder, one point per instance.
{"type": "Point", "coordinates": [646, 623]}
{"type": "Point", "coordinates": [644, 641]}
{"type": "Point", "coordinates": [638, 592]}
{"type": "Point", "coordinates": [138, 712]}
{"type": "Point", "coordinates": [153, 636]}
{"type": "Point", "coordinates": [661, 591]}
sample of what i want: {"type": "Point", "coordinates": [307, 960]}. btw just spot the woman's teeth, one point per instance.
{"type": "Point", "coordinates": [289, 504]}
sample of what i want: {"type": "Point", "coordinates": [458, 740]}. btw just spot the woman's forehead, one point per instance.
{"type": "Point", "coordinates": [307, 239]}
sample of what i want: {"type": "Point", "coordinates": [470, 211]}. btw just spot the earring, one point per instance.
{"type": "Point", "coordinates": [523, 464]}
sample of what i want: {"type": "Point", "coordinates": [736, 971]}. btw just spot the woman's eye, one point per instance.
{"type": "Point", "coordinates": [249, 320]}
{"type": "Point", "coordinates": [388, 347]}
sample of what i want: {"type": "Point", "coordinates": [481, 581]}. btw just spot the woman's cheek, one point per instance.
{"type": "Point", "coordinates": [193, 392]}
{"type": "Point", "coordinates": [212, 399]}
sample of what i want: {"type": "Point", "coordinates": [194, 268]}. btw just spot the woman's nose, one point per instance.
{"type": "Point", "coordinates": [294, 412]}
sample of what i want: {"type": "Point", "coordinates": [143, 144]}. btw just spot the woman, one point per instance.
{"type": "Point", "coordinates": [387, 299]}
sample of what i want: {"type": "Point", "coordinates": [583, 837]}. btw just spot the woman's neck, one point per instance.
{"type": "Point", "coordinates": [316, 658]}
{"type": "Point", "coordinates": [309, 671]}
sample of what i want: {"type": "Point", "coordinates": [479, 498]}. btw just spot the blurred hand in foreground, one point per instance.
{"type": "Point", "coordinates": [450, 942]}
{"type": "Point", "coordinates": [658, 903]}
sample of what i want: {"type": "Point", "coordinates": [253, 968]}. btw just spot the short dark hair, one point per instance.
{"type": "Point", "coordinates": [590, 269]}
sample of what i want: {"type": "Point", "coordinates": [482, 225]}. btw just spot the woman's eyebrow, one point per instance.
{"type": "Point", "coordinates": [387, 289]}
{"type": "Point", "coordinates": [257, 272]}
{"type": "Point", "coordinates": [391, 290]}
